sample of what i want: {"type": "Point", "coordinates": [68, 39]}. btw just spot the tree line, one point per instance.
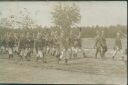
{"type": "Point", "coordinates": [86, 31]}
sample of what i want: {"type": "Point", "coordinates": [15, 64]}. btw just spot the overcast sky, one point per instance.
{"type": "Point", "coordinates": [104, 13]}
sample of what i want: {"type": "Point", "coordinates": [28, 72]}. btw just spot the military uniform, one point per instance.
{"type": "Point", "coordinates": [98, 46]}
{"type": "Point", "coordinates": [10, 46]}
{"type": "Point", "coordinates": [104, 46]}
{"type": "Point", "coordinates": [118, 45]}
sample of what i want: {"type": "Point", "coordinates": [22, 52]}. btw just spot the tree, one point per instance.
{"type": "Point", "coordinates": [65, 16]}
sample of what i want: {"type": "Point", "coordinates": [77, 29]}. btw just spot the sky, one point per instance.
{"type": "Point", "coordinates": [103, 13]}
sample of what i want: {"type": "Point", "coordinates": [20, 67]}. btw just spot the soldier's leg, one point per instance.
{"type": "Point", "coordinates": [97, 51]}
{"type": "Point", "coordinates": [21, 57]}
{"type": "Point", "coordinates": [37, 55]}
{"type": "Point", "coordinates": [44, 58]}
{"type": "Point", "coordinates": [12, 52]}
{"type": "Point", "coordinates": [102, 53]}
{"type": "Point", "coordinates": [9, 56]}
{"type": "Point", "coordinates": [115, 52]}
{"type": "Point", "coordinates": [58, 59]}
{"type": "Point", "coordinates": [121, 51]}
{"type": "Point", "coordinates": [37, 58]}
{"type": "Point", "coordinates": [30, 52]}
{"type": "Point", "coordinates": [28, 56]}
{"type": "Point", "coordinates": [20, 54]}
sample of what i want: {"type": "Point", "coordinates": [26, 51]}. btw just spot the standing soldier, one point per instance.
{"type": "Point", "coordinates": [10, 45]}
{"type": "Point", "coordinates": [38, 45]}
{"type": "Point", "coordinates": [103, 45]}
{"type": "Point", "coordinates": [6, 40]}
{"type": "Point", "coordinates": [22, 46]}
{"type": "Point", "coordinates": [15, 43]}
{"type": "Point", "coordinates": [118, 44]}
{"type": "Point", "coordinates": [29, 44]}
{"type": "Point", "coordinates": [98, 44]}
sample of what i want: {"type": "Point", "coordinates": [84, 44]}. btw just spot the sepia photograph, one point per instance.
{"type": "Point", "coordinates": [63, 42]}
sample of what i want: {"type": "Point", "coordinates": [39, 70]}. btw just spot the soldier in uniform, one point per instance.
{"type": "Point", "coordinates": [22, 46]}
{"type": "Point", "coordinates": [98, 44]}
{"type": "Point", "coordinates": [29, 46]}
{"type": "Point", "coordinates": [118, 44]}
{"type": "Point", "coordinates": [39, 46]}
{"type": "Point", "coordinates": [103, 45]}
{"type": "Point", "coordinates": [5, 41]}
{"type": "Point", "coordinates": [10, 45]}
{"type": "Point", "coordinates": [16, 43]}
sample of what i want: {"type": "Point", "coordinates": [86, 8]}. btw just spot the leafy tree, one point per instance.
{"type": "Point", "coordinates": [66, 16]}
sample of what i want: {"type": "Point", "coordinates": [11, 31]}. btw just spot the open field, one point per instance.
{"type": "Point", "coordinates": [81, 70]}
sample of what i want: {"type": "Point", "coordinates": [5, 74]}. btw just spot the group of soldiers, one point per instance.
{"type": "Point", "coordinates": [101, 45]}
{"type": "Point", "coordinates": [41, 45]}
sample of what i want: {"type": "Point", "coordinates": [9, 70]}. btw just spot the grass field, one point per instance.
{"type": "Point", "coordinates": [82, 70]}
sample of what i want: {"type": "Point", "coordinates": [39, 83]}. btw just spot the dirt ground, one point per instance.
{"type": "Point", "coordinates": [78, 71]}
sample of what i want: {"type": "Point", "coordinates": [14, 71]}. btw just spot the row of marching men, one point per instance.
{"type": "Point", "coordinates": [39, 45]}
